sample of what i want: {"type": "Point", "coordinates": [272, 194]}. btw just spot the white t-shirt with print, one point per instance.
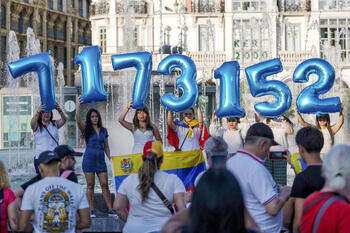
{"type": "Point", "coordinates": [258, 189]}
{"type": "Point", "coordinates": [150, 215]}
{"type": "Point", "coordinates": [55, 202]}
{"type": "Point", "coordinates": [191, 143]}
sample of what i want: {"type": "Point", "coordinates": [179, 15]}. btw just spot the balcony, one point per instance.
{"type": "Point", "coordinates": [201, 59]}
{"type": "Point", "coordinates": [291, 59]}
{"type": "Point", "coordinates": [207, 6]}
{"type": "Point", "coordinates": [297, 5]}
{"type": "Point", "coordinates": [99, 8]}
{"type": "Point", "coordinates": [137, 7]}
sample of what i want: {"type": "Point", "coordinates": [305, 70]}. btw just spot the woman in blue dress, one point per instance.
{"type": "Point", "coordinates": [96, 138]}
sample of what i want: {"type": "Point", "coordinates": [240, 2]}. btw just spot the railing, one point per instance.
{"type": "Point", "coordinates": [138, 7]}
{"type": "Point", "coordinates": [99, 8]}
{"type": "Point", "coordinates": [208, 6]}
{"type": "Point", "coordinates": [290, 59]}
{"type": "Point", "coordinates": [294, 6]}
{"type": "Point", "coordinates": [201, 59]}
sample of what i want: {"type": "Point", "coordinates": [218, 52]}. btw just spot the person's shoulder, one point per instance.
{"type": "Point", "coordinates": [8, 192]}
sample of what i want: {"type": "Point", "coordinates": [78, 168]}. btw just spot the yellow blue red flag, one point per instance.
{"type": "Point", "coordinates": [185, 164]}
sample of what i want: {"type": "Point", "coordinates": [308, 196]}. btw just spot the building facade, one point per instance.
{"type": "Point", "coordinates": [214, 31]}
{"type": "Point", "coordinates": [60, 25]}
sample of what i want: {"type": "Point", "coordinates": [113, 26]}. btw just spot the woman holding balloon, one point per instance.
{"type": "Point", "coordinates": [323, 123]}
{"type": "Point", "coordinates": [232, 135]}
{"type": "Point", "coordinates": [188, 134]}
{"type": "Point", "coordinates": [141, 127]}
{"type": "Point", "coordinates": [45, 130]}
{"type": "Point", "coordinates": [96, 138]}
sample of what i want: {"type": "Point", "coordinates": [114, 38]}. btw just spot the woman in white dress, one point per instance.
{"type": "Point", "coordinates": [232, 135]}
{"type": "Point", "coordinates": [328, 131]}
{"type": "Point", "coordinates": [142, 191]}
{"type": "Point", "coordinates": [142, 128]}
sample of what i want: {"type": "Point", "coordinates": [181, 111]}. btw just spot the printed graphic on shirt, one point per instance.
{"type": "Point", "coordinates": [55, 205]}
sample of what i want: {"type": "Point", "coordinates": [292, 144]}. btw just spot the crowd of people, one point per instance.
{"type": "Point", "coordinates": [244, 188]}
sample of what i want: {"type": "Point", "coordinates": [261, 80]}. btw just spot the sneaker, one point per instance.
{"type": "Point", "coordinates": [92, 214]}
{"type": "Point", "coordinates": [112, 213]}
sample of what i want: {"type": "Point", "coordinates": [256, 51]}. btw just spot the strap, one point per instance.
{"type": "Point", "coordinates": [1, 198]}
{"type": "Point", "coordinates": [163, 198]}
{"type": "Point", "coordinates": [51, 135]}
{"type": "Point", "coordinates": [323, 209]}
{"type": "Point", "coordinates": [183, 141]}
{"type": "Point", "coordinates": [316, 200]}
{"type": "Point", "coordinates": [66, 173]}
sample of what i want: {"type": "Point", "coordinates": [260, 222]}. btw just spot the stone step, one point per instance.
{"type": "Point", "coordinates": [104, 223]}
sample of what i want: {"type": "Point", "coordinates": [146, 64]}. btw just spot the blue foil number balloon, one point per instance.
{"type": "Point", "coordinates": [143, 63]}
{"type": "Point", "coordinates": [308, 101]}
{"type": "Point", "coordinates": [259, 86]}
{"type": "Point", "coordinates": [186, 82]}
{"type": "Point", "coordinates": [228, 74]}
{"type": "Point", "coordinates": [91, 75]}
{"type": "Point", "coordinates": [40, 64]}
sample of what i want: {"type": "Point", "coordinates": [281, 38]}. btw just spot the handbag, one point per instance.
{"type": "Point", "coordinates": [163, 198]}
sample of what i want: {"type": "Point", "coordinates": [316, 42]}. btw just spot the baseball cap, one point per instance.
{"type": "Point", "coordinates": [48, 156]}
{"type": "Point", "coordinates": [65, 150]}
{"type": "Point", "coordinates": [155, 147]}
{"type": "Point", "coordinates": [261, 130]}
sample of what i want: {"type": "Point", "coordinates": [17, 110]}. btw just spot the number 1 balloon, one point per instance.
{"type": "Point", "coordinates": [91, 75]}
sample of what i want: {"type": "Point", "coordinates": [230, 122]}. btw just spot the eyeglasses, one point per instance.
{"type": "Point", "coordinates": [188, 114]}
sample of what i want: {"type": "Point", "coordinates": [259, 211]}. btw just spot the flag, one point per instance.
{"type": "Point", "coordinates": [185, 164]}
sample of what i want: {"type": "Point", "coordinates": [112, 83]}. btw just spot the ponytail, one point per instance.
{"type": "Point", "coordinates": [146, 173]}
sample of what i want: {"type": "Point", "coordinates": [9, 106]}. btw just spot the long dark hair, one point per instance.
{"type": "Point", "coordinates": [325, 116]}
{"type": "Point", "coordinates": [146, 173]}
{"type": "Point", "coordinates": [136, 121]}
{"type": "Point", "coordinates": [40, 121]}
{"type": "Point", "coordinates": [89, 130]}
{"type": "Point", "coordinates": [217, 204]}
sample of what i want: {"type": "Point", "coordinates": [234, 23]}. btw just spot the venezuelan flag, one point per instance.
{"type": "Point", "coordinates": [185, 164]}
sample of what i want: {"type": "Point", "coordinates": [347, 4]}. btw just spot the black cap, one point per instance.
{"type": "Point", "coordinates": [261, 130]}
{"type": "Point", "coordinates": [48, 156]}
{"type": "Point", "coordinates": [65, 150]}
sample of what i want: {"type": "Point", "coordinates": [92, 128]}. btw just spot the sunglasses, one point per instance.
{"type": "Point", "coordinates": [232, 120]}
{"type": "Point", "coordinates": [188, 114]}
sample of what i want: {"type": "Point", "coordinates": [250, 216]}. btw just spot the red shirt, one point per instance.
{"type": "Point", "coordinates": [336, 218]}
{"type": "Point", "coordinates": [9, 197]}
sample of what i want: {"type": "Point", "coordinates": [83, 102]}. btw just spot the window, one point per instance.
{"type": "Point", "coordinates": [244, 5]}
{"type": "Point", "coordinates": [335, 36]}
{"type": "Point", "coordinates": [206, 6]}
{"type": "Point", "coordinates": [73, 32]}
{"type": "Point", "coordinates": [334, 4]}
{"type": "Point", "coordinates": [103, 40]}
{"type": "Point", "coordinates": [72, 3]}
{"type": "Point", "coordinates": [206, 38]}
{"type": "Point", "coordinates": [81, 8]}
{"type": "Point", "coordinates": [3, 48]}
{"type": "Point", "coordinates": [251, 41]}
{"type": "Point", "coordinates": [50, 3]}
{"type": "Point", "coordinates": [40, 25]}
{"type": "Point", "coordinates": [3, 16]}
{"type": "Point", "coordinates": [293, 40]}
{"type": "Point", "coordinates": [72, 57]}
{"type": "Point", "coordinates": [60, 5]}
{"type": "Point", "coordinates": [136, 36]}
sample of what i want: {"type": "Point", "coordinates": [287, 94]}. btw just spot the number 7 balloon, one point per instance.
{"type": "Point", "coordinates": [40, 64]}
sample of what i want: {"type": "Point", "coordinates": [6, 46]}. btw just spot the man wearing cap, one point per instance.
{"type": "Point", "coordinates": [54, 201]}
{"type": "Point", "coordinates": [67, 155]}
{"type": "Point", "coordinates": [263, 198]}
